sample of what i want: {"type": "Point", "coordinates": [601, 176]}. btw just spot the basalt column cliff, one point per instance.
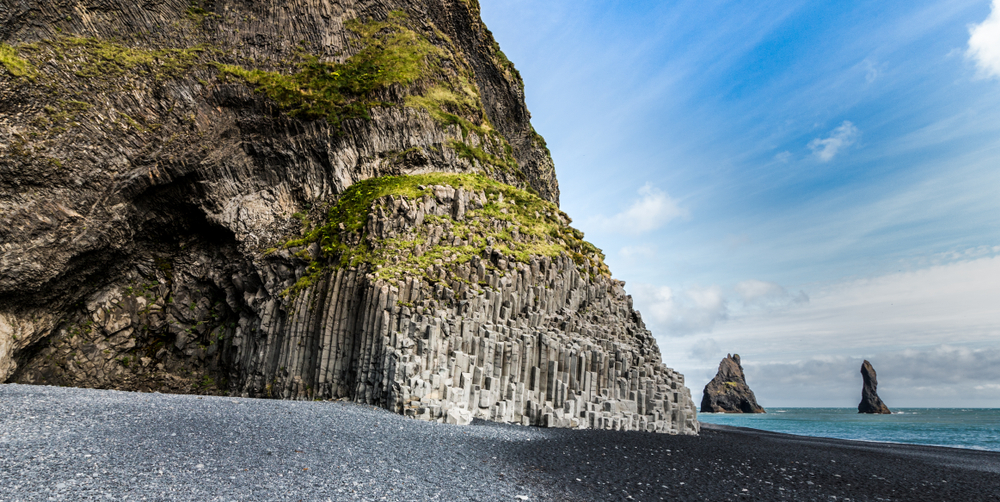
{"type": "Point", "coordinates": [302, 200]}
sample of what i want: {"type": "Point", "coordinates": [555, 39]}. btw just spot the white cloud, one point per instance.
{"type": "Point", "coordinates": [756, 294]}
{"type": "Point", "coordinates": [872, 70]}
{"type": "Point", "coordinates": [842, 137]}
{"type": "Point", "coordinates": [984, 43]}
{"type": "Point", "coordinates": [932, 333]}
{"type": "Point", "coordinates": [652, 210]}
{"type": "Point", "coordinates": [783, 157]}
{"type": "Point", "coordinates": [694, 310]}
{"type": "Point", "coordinates": [697, 309]}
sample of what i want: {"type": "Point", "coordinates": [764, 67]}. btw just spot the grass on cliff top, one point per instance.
{"type": "Point", "coordinates": [541, 227]}
{"type": "Point", "coordinates": [391, 53]}
{"type": "Point", "coordinates": [15, 65]}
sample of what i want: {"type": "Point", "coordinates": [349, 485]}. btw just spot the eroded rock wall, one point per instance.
{"type": "Point", "coordinates": [546, 342]}
{"type": "Point", "coordinates": [150, 184]}
{"type": "Point", "coordinates": [121, 138]}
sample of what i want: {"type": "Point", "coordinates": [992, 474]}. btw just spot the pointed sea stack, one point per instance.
{"type": "Point", "coordinates": [870, 402]}
{"type": "Point", "coordinates": [728, 392]}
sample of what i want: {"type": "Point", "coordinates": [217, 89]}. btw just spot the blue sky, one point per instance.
{"type": "Point", "coordinates": [805, 183]}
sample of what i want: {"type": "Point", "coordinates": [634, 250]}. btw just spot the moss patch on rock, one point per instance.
{"type": "Point", "coordinates": [95, 58]}
{"type": "Point", "coordinates": [15, 65]}
{"type": "Point", "coordinates": [486, 160]}
{"type": "Point", "coordinates": [513, 222]}
{"type": "Point", "coordinates": [391, 53]}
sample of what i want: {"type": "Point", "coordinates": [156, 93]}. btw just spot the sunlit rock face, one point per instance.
{"type": "Point", "coordinates": [304, 200]}
{"type": "Point", "coordinates": [728, 392]}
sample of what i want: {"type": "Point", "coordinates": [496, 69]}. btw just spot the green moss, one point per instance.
{"type": "Point", "coordinates": [198, 15]}
{"type": "Point", "coordinates": [540, 225]}
{"type": "Point", "coordinates": [488, 161]}
{"type": "Point", "coordinates": [390, 54]}
{"type": "Point", "coordinates": [15, 65]}
{"type": "Point", "coordinates": [132, 122]}
{"type": "Point", "coordinates": [448, 104]}
{"type": "Point", "coordinates": [95, 58]}
{"type": "Point", "coordinates": [204, 384]}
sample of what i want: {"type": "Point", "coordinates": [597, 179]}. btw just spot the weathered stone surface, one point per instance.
{"type": "Point", "coordinates": [148, 200]}
{"type": "Point", "coordinates": [870, 402]}
{"type": "Point", "coordinates": [125, 160]}
{"type": "Point", "coordinates": [728, 392]}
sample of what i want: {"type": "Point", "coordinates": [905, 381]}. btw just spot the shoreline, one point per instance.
{"type": "Point", "coordinates": [73, 444]}
{"type": "Point", "coordinates": [723, 427]}
{"type": "Point", "coordinates": [973, 429]}
{"type": "Point", "coordinates": [957, 450]}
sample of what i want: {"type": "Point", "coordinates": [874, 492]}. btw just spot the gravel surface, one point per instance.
{"type": "Point", "coordinates": [79, 444]}
{"type": "Point", "coordinates": [74, 444]}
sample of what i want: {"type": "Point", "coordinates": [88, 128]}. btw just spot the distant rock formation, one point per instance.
{"type": "Point", "coordinates": [728, 392]}
{"type": "Point", "coordinates": [870, 402]}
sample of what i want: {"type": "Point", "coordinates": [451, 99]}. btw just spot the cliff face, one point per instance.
{"type": "Point", "coordinates": [728, 392]}
{"type": "Point", "coordinates": [301, 200]}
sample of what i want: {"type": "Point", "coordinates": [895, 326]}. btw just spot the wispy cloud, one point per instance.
{"type": "Point", "coordinates": [653, 209]}
{"type": "Point", "coordinates": [984, 43]}
{"type": "Point", "coordinates": [825, 149]}
{"type": "Point", "coordinates": [693, 310]}
{"type": "Point", "coordinates": [766, 295]}
{"type": "Point", "coordinates": [872, 70]}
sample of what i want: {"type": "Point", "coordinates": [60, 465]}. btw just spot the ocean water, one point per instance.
{"type": "Point", "coordinates": [973, 428]}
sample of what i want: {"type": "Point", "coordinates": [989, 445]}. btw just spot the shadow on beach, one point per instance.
{"type": "Point", "coordinates": [732, 463]}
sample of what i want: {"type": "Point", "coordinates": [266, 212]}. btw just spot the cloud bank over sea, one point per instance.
{"type": "Point", "coordinates": [932, 329]}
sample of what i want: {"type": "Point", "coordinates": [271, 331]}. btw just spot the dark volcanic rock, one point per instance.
{"type": "Point", "coordinates": [728, 392]}
{"type": "Point", "coordinates": [302, 200]}
{"type": "Point", "coordinates": [870, 402]}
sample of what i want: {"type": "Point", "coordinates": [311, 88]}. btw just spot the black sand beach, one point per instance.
{"type": "Point", "coordinates": [77, 444]}
{"type": "Point", "coordinates": [730, 463]}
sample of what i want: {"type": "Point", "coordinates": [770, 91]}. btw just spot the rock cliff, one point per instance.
{"type": "Point", "coordinates": [728, 392]}
{"type": "Point", "coordinates": [870, 402]}
{"type": "Point", "coordinates": [302, 200]}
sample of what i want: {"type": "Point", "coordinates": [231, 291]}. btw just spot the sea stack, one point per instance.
{"type": "Point", "coordinates": [302, 200]}
{"type": "Point", "coordinates": [870, 402]}
{"type": "Point", "coordinates": [728, 392]}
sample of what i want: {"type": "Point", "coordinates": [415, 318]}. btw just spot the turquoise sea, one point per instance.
{"type": "Point", "coordinates": [973, 428]}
